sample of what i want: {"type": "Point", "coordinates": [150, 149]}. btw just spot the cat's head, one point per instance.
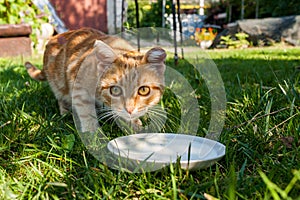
{"type": "Point", "coordinates": [131, 82]}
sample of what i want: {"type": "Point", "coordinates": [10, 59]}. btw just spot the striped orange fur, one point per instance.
{"type": "Point", "coordinates": [85, 67]}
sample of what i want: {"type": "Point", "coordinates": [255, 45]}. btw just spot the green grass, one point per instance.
{"type": "Point", "coordinates": [261, 134]}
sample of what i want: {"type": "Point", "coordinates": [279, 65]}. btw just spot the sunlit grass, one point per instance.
{"type": "Point", "coordinates": [261, 135]}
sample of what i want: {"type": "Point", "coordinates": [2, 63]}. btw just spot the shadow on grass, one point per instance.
{"type": "Point", "coordinates": [21, 92]}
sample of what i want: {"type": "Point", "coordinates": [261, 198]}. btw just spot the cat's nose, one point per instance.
{"type": "Point", "coordinates": [129, 110]}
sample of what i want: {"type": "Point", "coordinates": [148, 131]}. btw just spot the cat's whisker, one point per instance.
{"type": "Point", "coordinates": [157, 121]}
{"type": "Point", "coordinates": [104, 109]}
{"type": "Point", "coordinates": [105, 114]}
{"type": "Point", "coordinates": [159, 116]}
{"type": "Point", "coordinates": [115, 118]}
{"type": "Point", "coordinates": [157, 112]}
{"type": "Point", "coordinates": [160, 119]}
{"type": "Point", "coordinates": [171, 115]}
{"type": "Point", "coordinates": [108, 115]}
{"type": "Point", "coordinates": [158, 124]}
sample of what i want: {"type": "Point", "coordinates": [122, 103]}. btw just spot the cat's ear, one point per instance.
{"type": "Point", "coordinates": [104, 53]}
{"type": "Point", "coordinates": [155, 55]}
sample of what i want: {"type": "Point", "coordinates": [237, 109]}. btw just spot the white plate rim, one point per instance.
{"type": "Point", "coordinates": [217, 144]}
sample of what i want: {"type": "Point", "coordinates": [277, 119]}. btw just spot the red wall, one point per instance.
{"type": "Point", "coordinates": [82, 13]}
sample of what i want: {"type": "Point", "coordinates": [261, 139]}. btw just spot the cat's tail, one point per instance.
{"type": "Point", "coordinates": [34, 72]}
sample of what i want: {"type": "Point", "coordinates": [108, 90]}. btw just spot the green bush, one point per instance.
{"type": "Point", "coordinates": [238, 41]}
{"type": "Point", "coordinates": [149, 16]}
{"type": "Point", "coordinates": [21, 11]}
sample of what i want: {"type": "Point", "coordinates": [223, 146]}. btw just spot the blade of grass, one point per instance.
{"type": "Point", "coordinates": [267, 112]}
{"type": "Point", "coordinates": [173, 179]}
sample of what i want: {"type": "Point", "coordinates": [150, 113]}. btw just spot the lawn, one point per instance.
{"type": "Point", "coordinates": [40, 160]}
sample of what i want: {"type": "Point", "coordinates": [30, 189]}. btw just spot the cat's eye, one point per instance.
{"type": "Point", "coordinates": [115, 91]}
{"type": "Point", "coordinates": [144, 91]}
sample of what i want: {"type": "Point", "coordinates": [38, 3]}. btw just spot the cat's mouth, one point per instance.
{"type": "Point", "coordinates": [133, 115]}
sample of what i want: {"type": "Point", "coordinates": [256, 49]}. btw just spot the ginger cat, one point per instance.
{"type": "Point", "coordinates": [89, 67]}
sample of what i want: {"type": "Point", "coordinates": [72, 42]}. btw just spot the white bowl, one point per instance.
{"type": "Point", "coordinates": [152, 151]}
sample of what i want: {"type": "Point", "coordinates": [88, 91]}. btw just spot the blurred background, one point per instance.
{"type": "Point", "coordinates": [211, 23]}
